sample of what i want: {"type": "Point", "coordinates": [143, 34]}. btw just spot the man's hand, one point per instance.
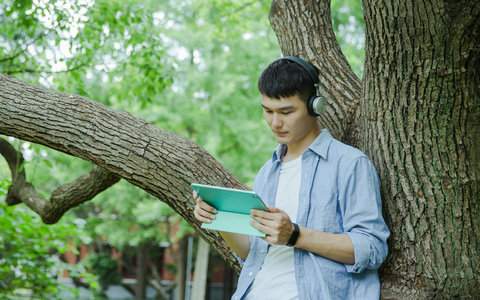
{"type": "Point", "coordinates": [205, 213]}
{"type": "Point", "coordinates": [278, 227]}
{"type": "Point", "coordinates": [202, 211]}
{"type": "Point", "coordinates": [276, 224]}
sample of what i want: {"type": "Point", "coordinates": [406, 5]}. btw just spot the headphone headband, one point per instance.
{"type": "Point", "coordinates": [316, 104]}
{"type": "Point", "coordinates": [308, 67]}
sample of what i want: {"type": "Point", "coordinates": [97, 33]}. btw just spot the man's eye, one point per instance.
{"type": "Point", "coordinates": [286, 112]}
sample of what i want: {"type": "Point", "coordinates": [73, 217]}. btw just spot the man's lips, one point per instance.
{"type": "Point", "coordinates": [280, 133]}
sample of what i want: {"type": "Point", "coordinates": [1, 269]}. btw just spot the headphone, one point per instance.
{"type": "Point", "coordinates": [316, 104]}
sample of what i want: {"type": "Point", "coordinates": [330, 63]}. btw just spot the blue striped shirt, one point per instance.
{"type": "Point", "coordinates": [339, 193]}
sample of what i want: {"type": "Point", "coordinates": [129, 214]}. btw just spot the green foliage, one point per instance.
{"type": "Point", "coordinates": [125, 215]}
{"type": "Point", "coordinates": [212, 52]}
{"type": "Point", "coordinates": [29, 249]}
{"type": "Point", "coordinates": [46, 38]}
{"type": "Point", "coordinates": [349, 27]}
{"type": "Point", "coordinates": [214, 98]}
{"type": "Point", "coordinates": [105, 268]}
{"type": "Point", "coordinates": [190, 67]}
{"type": "Point", "coordinates": [29, 34]}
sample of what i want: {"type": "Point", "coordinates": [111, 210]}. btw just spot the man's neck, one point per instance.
{"type": "Point", "coordinates": [297, 149]}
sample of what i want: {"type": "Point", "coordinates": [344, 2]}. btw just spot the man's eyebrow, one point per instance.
{"type": "Point", "coordinates": [281, 108]}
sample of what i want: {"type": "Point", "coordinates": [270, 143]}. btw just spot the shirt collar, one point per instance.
{"type": "Point", "coordinates": [319, 146]}
{"type": "Point", "coordinates": [321, 143]}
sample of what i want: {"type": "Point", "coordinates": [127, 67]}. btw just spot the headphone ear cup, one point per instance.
{"type": "Point", "coordinates": [316, 105]}
{"type": "Point", "coordinates": [310, 105]}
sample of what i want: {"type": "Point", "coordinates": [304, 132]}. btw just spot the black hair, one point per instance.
{"type": "Point", "coordinates": [285, 78]}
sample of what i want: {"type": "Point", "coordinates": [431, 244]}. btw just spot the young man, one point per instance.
{"type": "Point", "coordinates": [326, 236]}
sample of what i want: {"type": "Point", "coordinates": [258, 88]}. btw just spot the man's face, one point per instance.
{"type": "Point", "coordinates": [290, 121]}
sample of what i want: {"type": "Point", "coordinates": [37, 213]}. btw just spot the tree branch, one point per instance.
{"type": "Point", "coordinates": [40, 36]}
{"type": "Point", "coordinates": [63, 198]}
{"type": "Point", "coordinates": [128, 288]}
{"type": "Point", "coordinates": [157, 161]}
{"type": "Point", "coordinates": [162, 292]}
{"type": "Point", "coordinates": [13, 56]}
{"type": "Point", "coordinates": [34, 40]}
{"type": "Point", "coordinates": [13, 157]}
{"type": "Point", "coordinates": [10, 72]}
{"type": "Point", "coordinates": [294, 26]}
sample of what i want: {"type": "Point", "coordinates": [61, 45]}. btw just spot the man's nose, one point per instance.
{"type": "Point", "coordinates": [276, 120]}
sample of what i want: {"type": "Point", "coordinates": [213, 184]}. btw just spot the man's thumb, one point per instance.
{"type": "Point", "coordinates": [273, 209]}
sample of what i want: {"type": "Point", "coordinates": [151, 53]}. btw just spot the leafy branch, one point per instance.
{"type": "Point", "coordinates": [63, 197]}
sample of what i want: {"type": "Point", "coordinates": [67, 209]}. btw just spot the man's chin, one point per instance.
{"type": "Point", "coordinates": [281, 140]}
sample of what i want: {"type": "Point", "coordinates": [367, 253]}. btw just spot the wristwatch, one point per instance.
{"type": "Point", "coordinates": [293, 238]}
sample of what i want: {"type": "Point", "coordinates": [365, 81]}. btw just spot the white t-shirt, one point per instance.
{"type": "Point", "coordinates": [276, 279]}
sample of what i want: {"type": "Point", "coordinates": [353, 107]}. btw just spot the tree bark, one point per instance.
{"type": "Point", "coordinates": [181, 268]}
{"type": "Point", "coordinates": [420, 116]}
{"type": "Point", "coordinates": [304, 28]}
{"type": "Point", "coordinates": [417, 117]}
{"type": "Point", "coordinates": [141, 271]}
{"type": "Point", "coordinates": [151, 158]}
{"type": "Point", "coordinates": [415, 113]}
{"type": "Point", "coordinates": [63, 197]}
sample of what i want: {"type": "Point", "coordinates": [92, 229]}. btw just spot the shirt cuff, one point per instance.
{"type": "Point", "coordinates": [361, 248]}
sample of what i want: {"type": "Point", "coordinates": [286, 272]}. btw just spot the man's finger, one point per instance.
{"type": "Point", "coordinates": [261, 227]}
{"type": "Point", "coordinates": [205, 206]}
{"type": "Point", "coordinates": [274, 209]}
{"type": "Point", "coordinates": [201, 218]}
{"type": "Point", "coordinates": [203, 215]}
{"type": "Point", "coordinates": [254, 213]}
{"type": "Point", "coordinates": [206, 214]}
{"type": "Point", "coordinates": [270, 223]}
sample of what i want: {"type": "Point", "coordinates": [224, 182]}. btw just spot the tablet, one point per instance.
{"type": "Point", "coordinates": [233, 208]}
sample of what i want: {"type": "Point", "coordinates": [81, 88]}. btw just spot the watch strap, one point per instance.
{"type": "Point", "coordinates": [294, 236]}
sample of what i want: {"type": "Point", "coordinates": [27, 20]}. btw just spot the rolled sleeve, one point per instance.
{"type": "Point", "coordinates": [362, 214]}
{"type": "Point", "coordinates": [361, 248]}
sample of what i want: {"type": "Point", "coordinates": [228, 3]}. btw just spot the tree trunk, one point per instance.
{"type": "Point", "coordinates": [418, 120]}
{"type": "Point", "coordinates": [181, 268]}
{"type": "Point", "coordinates": [141, 272]}
{"type": "Point", "coordinates": [420, 116]}
{"type": "Point", "coordinates": [304, 28]}
{"type": "Point", "coordinates": [415, 114]}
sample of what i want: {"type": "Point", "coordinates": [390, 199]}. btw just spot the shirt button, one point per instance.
{"type": "Point", "coordinates": [250, 274]}
{"type": "Point", "coordinates": [236, 297]}
{"type": "Point", "coordinates": [262, 251]}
